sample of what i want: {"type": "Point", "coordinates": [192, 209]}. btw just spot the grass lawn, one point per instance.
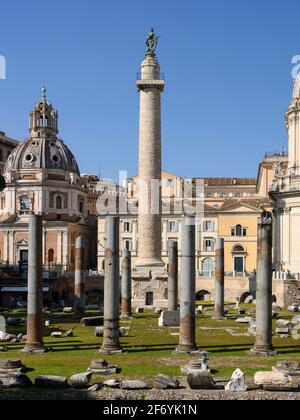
{"type": "Point", "coordinates": [149, 349]}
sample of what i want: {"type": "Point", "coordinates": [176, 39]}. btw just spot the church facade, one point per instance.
{"type": "Point", "coordinates": [42, 177]}
{"type": "Point", "coordinates": [285, 195]}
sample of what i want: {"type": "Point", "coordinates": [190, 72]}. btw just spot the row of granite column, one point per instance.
{"type": "Point", "coordinates": [112, 295]}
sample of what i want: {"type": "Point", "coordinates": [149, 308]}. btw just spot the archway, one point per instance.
{"type": "Point", "coordinates": [246, 298]}
{"type": "Point", "coordinates": [203, 295]}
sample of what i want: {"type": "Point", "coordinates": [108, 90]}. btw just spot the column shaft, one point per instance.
{"type": "Point", "coordinates": [149, 217]}
{"type": "Point", "coordinates": [79, 292]}
{"type": "Point", "coordinates": [219, 283]}
{"type": "Point", "coordinates": [187, 340]}
{"type": "Point", "coordinates": [263, 343]}
{"type": "Point", "coordinates": [111, 342]}
{"type": "Point", "coordinates": [34, 341]}
{"type": "Point", "coordinates": [173, 277]}
{"type": "Point", "coordinates": [126, 284]}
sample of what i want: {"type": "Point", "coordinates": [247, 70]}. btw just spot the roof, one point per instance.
{"type": "Point", "coordinates": [214, 182]}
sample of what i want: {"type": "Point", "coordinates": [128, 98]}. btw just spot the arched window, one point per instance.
{"type": "Point", "coordinates": [50, 256]}
{"type": "Point", "coordinates": [59, 202]}
{"type": "Point", "coordinates": [238, 249]}
{"type": "Point", "coordinates": [238, 230]}
{"type": "Point", "coordinates": [207, 266]}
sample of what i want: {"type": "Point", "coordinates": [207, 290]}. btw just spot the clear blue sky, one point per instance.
{"type": "Point", "coordinates": [227, 66]}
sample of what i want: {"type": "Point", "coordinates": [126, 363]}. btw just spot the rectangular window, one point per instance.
{"type": "Point", "coordinates": [208, 245]}
{"type": "Point", "coordinates": [127, 227]}
{"type": "Point", "coordinates": [128, 244]}
{"type": "Point", "coordinates": [244, 232]}
{"type": "Point", "coordinates": [209, 226]}
{"type": "Point", "coordinates": [172, 226]}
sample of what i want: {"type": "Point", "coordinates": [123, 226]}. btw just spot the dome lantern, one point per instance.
{"type": "Point", "coordinates": [44, 118]}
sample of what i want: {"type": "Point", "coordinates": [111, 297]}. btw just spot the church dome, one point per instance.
{"type": "Point", "coordinates": [42, 153]}
{"type": "Point", "coordinates": [43, 149]}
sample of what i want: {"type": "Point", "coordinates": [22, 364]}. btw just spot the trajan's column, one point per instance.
{"type": "Point", "coordinates": [150, 87]}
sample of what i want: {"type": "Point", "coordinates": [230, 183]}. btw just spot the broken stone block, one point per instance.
{"type": "Point", "coordinates": [290, 368]}
{"type": "Point", "coordinates": [3, 349]}
{"type": "Point", "coordinates": [10, 337]}
{"type": "Point", "coordinates": [96, 321]}
{"type": "Point", "coordinates": [101, 367]}
{"type": "Point", "coordinates": [296, 320]}
{"type": "Point", "coordinates": [68, 333]}
{"type": "Point", "coordinates": [169, 319]}
{"type": "Point", "coordinates": [132, 385]}
{"type": "Point", "coordinates": [166, 382]}
{"type": "Point", "coordinates": [293, 308]}
{"type": "Point", "coordinates": [282, 331]}
{"type": "Point", "coordinates": [198, 380]}
{"type": "Point", "coordinates": [7, 365]}
{"type": "Point", "coordinates": [15, 321]}
{"type": "Point", "coordinates": [112, 383]}
{"type": "Point", "coordinates": [51, 382]}
{"type": "Point", "coordinates": [283, 323]}
{"type": "Point", "coordinates": [14, 380]}
{"type": "Point", "coordinates": [2, 335]}
{"type": "Point", "coordinates": [237, 382]}
{"type": "Point", "coordinates": [158, 311]}
{"type": "Point", "coordinates": [80, 380]}
{"type": "Point", "coordinates": [68, 310]}
{"type": "Point", "coordinates": [244, 320]}
{"type": "Point", "coordinates": [56, 334]}
{"type": "Point", "coordinates": [95, 387]}
{"type": "Point", "coordinates": [99, 331]}
{"type": "Point", "coordinates": [273, 381]}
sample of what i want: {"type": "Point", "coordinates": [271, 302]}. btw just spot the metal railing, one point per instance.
{"type": "Point", "coordinates": [283, 153]}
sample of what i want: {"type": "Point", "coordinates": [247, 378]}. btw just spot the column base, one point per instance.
{"type": "Point", "coordinates": [128, 316]}
{"type": "Point", "coordinates": [34, 350]}
{"type": "Point", "coordinates": [219, 318]}
{"type": "Point", "coordinates": [109, 351]}
{"type": "Point", "coordinates": [263, 351]}
{"type": "Point", "coordinates": [187, 350]}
